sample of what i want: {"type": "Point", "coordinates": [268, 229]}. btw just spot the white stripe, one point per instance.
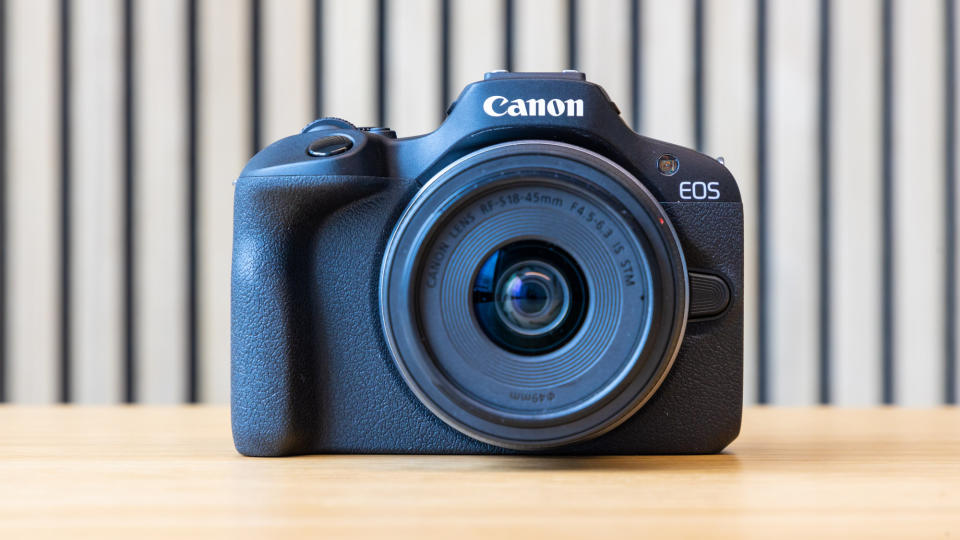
{"type": "Point", "coordinates": [793, 210]}
{"type": "Point", "coordinates": [729, 112]}
{"type": "Point", "coordinates": [604, 49]}
{"type": "Point", "coordinates": [224, 124]}
{"type": "Point", "coordinates": [97, 186]}
{"type": "Point", "coordinates": [287, 72]}
{"type": "Point", "coordinates": [918, 201]}
{"type": "Point", "coordinates": [667, 63]}
{"type": "Point", "coordinates": [540, 35]}
{"type": "Point", "coordinates": [413, 60]}
{"type": "Point", "coordinates": [476, 41]}
{"type": "Point", "coordinates": [33, 212]}
{"type": "Point", "coordinates": [856, 198]}
{"type": "Point", "coordinates": [349, 59]}
{"type": "Point", "coordinates": [160, 200]}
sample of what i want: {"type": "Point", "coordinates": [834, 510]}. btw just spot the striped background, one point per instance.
{"type": "Point", "coordinates": [124, 122]}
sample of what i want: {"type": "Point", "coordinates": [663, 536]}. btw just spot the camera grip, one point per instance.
{"type": "Point", "coordinates": [275, 221]}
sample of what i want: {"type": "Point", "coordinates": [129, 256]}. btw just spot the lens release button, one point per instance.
{"type": "Point", "coordinates": [709, 295]}
{"type": "Point", "coordinates": [329, 146]}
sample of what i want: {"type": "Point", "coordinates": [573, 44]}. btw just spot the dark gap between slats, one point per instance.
{"type": "Point", "coordinates": [256, 67]}
{"type": "Point", "coordinates": [573, 37]}
{"type": "Point", "coordinates": [317, 58]}
{"type": "Point", "coordinates": [698, 82]}
{"type": "Point", "coordinates": [65, 151]}
{"type": "Point", "coordinates": [444, 54]}
{"type": "Point", "coordinates": [381, 63]}
{"type": "Point", "coordinates": [763, 242]}
{"type": "Point", "coordinates": [129, 185]}
{"type": "Point", "coordinates": [887, 213]}
{"type": "Point", "coordinates": [950, 194]}
{"type": "Point", "coordinates": [193, 337]}
{"type": "Point", "coordinates": [636, 73]}
{"type": "Point", "coordinates": [826, 303]}
{"type": "Point", "coordinates": [508, 22]}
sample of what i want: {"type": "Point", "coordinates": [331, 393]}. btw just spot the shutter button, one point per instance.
{"type": "Point", "coordinates": [332, 145]}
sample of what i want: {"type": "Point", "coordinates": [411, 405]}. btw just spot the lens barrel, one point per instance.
{"type": "Point", "coordinates": [533, 294]}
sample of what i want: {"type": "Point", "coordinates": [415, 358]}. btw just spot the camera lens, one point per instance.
{"type": "Point", "coordinates": [529, 297]}
{"type": "Point", "coordinates": [533, 294]}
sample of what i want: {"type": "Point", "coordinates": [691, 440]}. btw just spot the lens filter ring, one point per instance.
{"type": "Point", "coordinates": [598, 361]}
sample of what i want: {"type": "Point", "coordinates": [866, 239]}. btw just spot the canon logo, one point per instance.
{"type": "Point", "coordinates": [501, 106]}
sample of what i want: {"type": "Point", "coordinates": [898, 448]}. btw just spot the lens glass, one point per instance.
{"type": "Point", "coordinates": [530, 297]}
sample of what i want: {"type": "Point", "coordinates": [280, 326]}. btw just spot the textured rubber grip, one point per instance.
{"type": "Point", "coordinates": [275, 218]}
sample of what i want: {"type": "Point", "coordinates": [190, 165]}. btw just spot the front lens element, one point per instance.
{"type": "Point", "coordinates": [529, 297]}
{"type": "Point", "coordinates": [532, 298]}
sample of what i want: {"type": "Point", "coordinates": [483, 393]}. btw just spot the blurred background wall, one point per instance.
{"type": "Point", "coordinates": [124, 122]}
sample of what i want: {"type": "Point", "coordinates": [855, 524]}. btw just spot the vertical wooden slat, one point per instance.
{"type": "Point", "coordinates": [855, 194]}
{"type": "Point", "coordinates": [604, 48]}
{"type": "Point", "coordinates": [793, 202]}
{"type": "Point", "coordinates": [413, 79]}
{"type": "Point", "coordinates": [33, 201]}
{"type": "Point", "coordinates": [97, 207]}
{"type": "Point", "coordinates": [729, 100]}
{"type": "Point", "coordinates": [224, 122]}
{"type": "Point", "coordinates": [668, 70]}
{"type": "Point", "coordinates": [476, 41]}
{"type": "Point", "coordinates": [918, 181]}
{"type": "Point", "coordinates": [349, 85]}
{"type": "Point", "coordinates": [287, 73]}
{"type": "Point", "coordinates": [540, 35]}
{"type": "Point", "coordinates": [160, 167]}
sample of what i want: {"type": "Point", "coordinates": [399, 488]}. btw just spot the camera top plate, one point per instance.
{"type": "Point", "coordinates": [501, 108]}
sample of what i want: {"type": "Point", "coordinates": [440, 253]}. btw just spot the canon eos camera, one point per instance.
{"type": "Point", "coordinates": [533, 276]}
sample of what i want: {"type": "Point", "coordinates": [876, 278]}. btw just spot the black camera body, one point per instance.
{"type": "Point", "coordinates": [533, 276]}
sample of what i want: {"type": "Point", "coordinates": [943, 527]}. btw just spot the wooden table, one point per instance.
{"type": "Point", "coordinates": [135, 471]}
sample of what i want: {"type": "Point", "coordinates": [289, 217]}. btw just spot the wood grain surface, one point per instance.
{"type": "Point", "coordinates": [165, 471]}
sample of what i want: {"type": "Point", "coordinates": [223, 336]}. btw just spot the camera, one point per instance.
{"type": "Point", "coordinates": [531, 277]}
